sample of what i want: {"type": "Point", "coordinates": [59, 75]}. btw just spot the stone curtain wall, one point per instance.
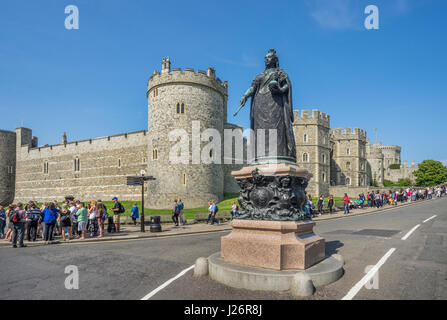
{"type": "Point", "coordinates": [99, 177]}
{"type": "Point", "coordinates": [7, 166]}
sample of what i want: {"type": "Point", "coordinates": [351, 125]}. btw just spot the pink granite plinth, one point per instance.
{"type": "Point", "coordinates": [277, 245]}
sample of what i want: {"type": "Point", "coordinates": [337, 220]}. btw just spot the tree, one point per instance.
{"type": "Point", "coordinates": [430, 173]}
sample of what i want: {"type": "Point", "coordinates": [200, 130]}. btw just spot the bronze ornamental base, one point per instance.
{"type": "Point", "coordinates": [276, 245]}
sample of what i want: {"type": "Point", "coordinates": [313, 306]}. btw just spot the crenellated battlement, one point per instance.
{"type": "Point", "coordinates": [390, 147]}
{"type": "Point", "coordinates": [129, 139]}
{"type": "Point", "coordinates": [315, 116]}
{"type": "Point", "coordinates": [187, 75]}
{"type": "Point", "coordinates": [348, 134]}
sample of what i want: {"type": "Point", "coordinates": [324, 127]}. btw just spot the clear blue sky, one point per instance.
{"type": "Point", "coordinates": [91, 82]}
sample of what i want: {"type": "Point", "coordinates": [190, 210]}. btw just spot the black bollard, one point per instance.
{"type": "Point", "coordinates": [155, 224]}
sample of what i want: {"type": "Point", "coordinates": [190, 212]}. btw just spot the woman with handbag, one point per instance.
{"type": "Point", "coordinates": [65, 221]}
{"type": "Point", "coordinates": [101, 216]}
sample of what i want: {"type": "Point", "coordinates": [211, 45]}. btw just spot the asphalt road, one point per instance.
{"type": "Point", "coordinates": [416, 269]}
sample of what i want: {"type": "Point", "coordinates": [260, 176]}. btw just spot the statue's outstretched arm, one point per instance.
{"type": "Point", "coordinates": [244, 99]}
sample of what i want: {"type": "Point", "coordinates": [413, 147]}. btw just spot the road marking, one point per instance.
{"type": "Point", "coordinates": [359, 285]}
{"type": "Point", "coordinates": [167, 283]}
{"type": "Point", "coordinates": [405, 237]}
{"type": "Point", "coordinates": [430, 218]}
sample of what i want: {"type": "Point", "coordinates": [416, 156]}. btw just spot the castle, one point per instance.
{"type": "Point", "coordinates": [97, 168]}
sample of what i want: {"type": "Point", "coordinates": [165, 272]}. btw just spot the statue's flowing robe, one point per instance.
{"type": "Point", "coordinates": [273, 111]}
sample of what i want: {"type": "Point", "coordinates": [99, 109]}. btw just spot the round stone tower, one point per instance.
{"type": "Point", "coordinates": [179, 101]}
{"type": "Point", "coordinates": [7, 166]}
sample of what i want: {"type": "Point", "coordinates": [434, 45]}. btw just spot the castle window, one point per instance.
{"type": "Point", "coordinates": [10, 169]}
{"type": "Point", "coordinates": [45, 167]}
{"type": "Point", "coordinates": [348, 151]}
{"type": "Point", "coordinates": [155, 154]}
{"type": "Point", "coordinates": [305, 138]}
{"type": "Point", "coordinates": [348, 181]}
{"type": "Point", "coordinates": [119, 163]}
{"type": "Point", "coordinates": [324, 158]}
{"type": "Point", "coordinates": [77, 164]}
{"type": "Point", "coordinates": [324, 177]}
{"type": "Point", "coordinates": [305, 157]}
{"type": "Point", "coordinates": [324, 139]}
{"type": "Point", "coordinates": [211, 153]}
{"type": "Point", "coordinates": [184, 179]}
{"type": "Point", "coordinates": [183, 108]}
{"type": "Point", "coordinates": [178, 107]}
{"type": "Point", "coordinates": [348, 165]}
{"type": "Point", "coordinates": [144, 160]}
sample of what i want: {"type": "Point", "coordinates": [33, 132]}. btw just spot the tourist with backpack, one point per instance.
{"type": "Point", "coordinates": [175, 212]}
{"type": "Point", "coordinates": [214, 210]}
{"type": "Point", "coordinates": [32, 217]}
{"type": "Point", "coordinates": [118, 209]}
{"type": "Point", "coordinates": [181, 216]}
{"type": "Point", "coordinates": [18, 217]}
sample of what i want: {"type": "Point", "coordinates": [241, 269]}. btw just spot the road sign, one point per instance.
{"type": "Point", "coordinates": [139, 181]}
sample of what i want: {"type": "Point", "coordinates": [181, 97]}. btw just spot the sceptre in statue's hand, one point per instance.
{"type": "Point", "coordinates": [244, 99]}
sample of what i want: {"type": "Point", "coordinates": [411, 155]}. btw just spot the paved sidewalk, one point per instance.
{"type": "Point", "coordinates": [131, 232]}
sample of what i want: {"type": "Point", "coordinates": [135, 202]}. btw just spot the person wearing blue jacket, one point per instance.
{"type": "Point", "coordinates": [135, 214]}
{"type": "Point", "coordinates": [49, 218]}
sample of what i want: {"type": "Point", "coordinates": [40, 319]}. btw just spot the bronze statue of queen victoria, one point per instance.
{"type": "Point", "coordinates": [271, 109]}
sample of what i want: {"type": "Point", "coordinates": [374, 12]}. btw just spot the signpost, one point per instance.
{"type": "Point", "coordinates": [139, 181]}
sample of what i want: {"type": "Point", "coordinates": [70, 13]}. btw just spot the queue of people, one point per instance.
{"type": "Point", "coordinates": [375, 198]}
{"type": "Point", "coordinates": [71, 220]}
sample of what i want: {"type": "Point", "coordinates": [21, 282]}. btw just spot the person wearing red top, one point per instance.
{"type": "Point", "coordinates": [346, 201]}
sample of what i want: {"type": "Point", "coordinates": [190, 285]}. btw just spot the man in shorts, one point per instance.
{"type": "Point", "coordinates": [82, 220]}
{"type": "Point", "coordinates": [117, 210]}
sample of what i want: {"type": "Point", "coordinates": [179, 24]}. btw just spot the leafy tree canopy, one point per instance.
{"type": "Point", "coordinates": [430, 173]}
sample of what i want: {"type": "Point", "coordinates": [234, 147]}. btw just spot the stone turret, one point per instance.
{"type": "Point", "coordinates": [313, 147]}
{"type": "Point", "coordinates": [176, 98]}
{"type": "Point", "coordinates": [7, 166]}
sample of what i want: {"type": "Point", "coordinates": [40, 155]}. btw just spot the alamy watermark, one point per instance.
{"type": "Point", "coordinates": [72, 280]}
{"type": "Point", "coordinates": [72, 20]}
{"type": "Point", "coordinates": [373, 283]}
{"type": "Point", "coordinates": [372, 20]}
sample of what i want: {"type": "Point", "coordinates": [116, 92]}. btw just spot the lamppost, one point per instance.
{"type": "Point", "coordinates": [142, 200]}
